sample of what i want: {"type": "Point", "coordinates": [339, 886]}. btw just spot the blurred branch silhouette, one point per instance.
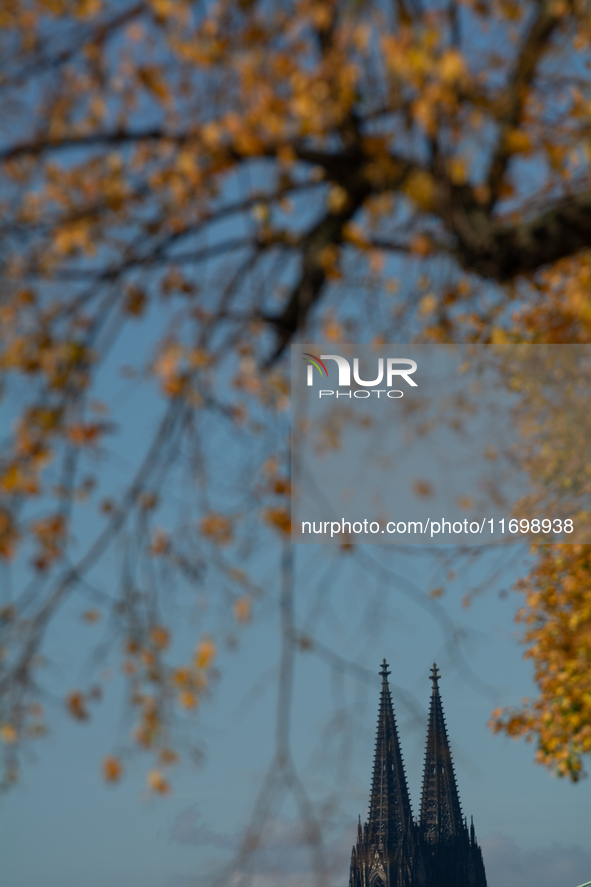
{"type": "Point", "coordinates": [186, 190]}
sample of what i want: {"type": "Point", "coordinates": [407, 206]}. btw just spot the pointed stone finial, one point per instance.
{"type": "Point", "coordinates": [435, 677]}
{"type": "Point", "coordinates": [384, 672]}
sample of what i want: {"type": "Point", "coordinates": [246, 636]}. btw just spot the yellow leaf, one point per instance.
{"type": "Point", "coordinates": [157, 783]}
{"type": "Point", "coordinates": [452, 66]}
{"type": "Point", "coordinates": [205, 653]}
{"type": "Point", "coordinates": [458, 170]}
{"type": "Point", "coordinates": [329, 257]}
{"type": "Point", "coordinates": [354, 233]}
{"type": "Point", "coordinates": [337, 199]}
{"type": "Point", "coordinates": [428, 304]}
{"type": "Point", "coordinates": [517, 142]}
{"type": "Point", "coordinates": [420, 185]}
{"type": "Point", "coordinates": [188, 699]}
{"type": "Point", "coordinates": [8, 734]}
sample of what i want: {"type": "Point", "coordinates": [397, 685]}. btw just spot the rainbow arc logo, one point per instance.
{"type": "Point", "coordinates": [315, 362]}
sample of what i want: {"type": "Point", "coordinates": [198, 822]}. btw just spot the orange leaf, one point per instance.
{"type": "Point", "coordinates": [217, 527]}
{"type": "Point", "coordinates": [168, 756]}
{"type": "Point", "coordinates": [242, 609]}
{"type": "Point", "coordinates": [85, 434]}
{"type": "Point", "coordinates": [76, 705]}
{"type": "Point", "coordinates": [160, 637]}
{"type": "Point", "coordinates": [205, 653]}
{"type": "Point", "coordinates": [157, 783]}
{"type": "Point", "coordinates": [279, 518]}
{"type": "Point", "coordinates": [112, 769]}
{"type": "Point", "coordinates": [187, 699]}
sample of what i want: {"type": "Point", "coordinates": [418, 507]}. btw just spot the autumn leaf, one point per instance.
{"type": "Point", "coordinates": [242, 609]}
{"type": "Point", "coordinates": [452, 66]}
{"type": "Point", "coordinates": [217, 527]}
{"type": "Point", "coordinates": [112, 769]}
{"type": "Point", "coordinates": [423, 487]}
{"type": "Point", "coordinates": [187, 699]}
{"type": "Point", "coordinates": [9, 535]}
{"type": "Point", "coordinates": [282, 486]}
{"type": "Point", "coordinates": [160, 542]}
{"type": "Point", "coordinates": [76, 705]}
{"type": "Point", "coordinates": [420, 185]}
{"type": "Point", "coordinates": [168, 756]}
{"type": "Point", "coordinates": [557, 621]}
{"type": "Point", "coordinates": [8, 613]}
{"type": "Point", "coordinates": [280, 519]}
{"type": "Point", "coordinates": [160, 637]}
{"type": "Point", "coordinates": [135, 301]}
{"type": "Point", "coordinates": [205, 653]}
{"type": "Point", "coordinates": [421, 245]}
{"type": "Point", "coordinates": [518, 142]}
{"type": "Point", "coordinates": [337, 199]}
{"type": "Point", "coordinates": [148, 500]}
{"type": "Point", "coordinates": [8, 734]}
{"type": "Point", "coordinates": [157, 783]}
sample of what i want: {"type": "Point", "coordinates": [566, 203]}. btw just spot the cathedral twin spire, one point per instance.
{"type": "Point", "coordinates": [390, 814]}
{"type": "Point", "coordinates": [392, 849]}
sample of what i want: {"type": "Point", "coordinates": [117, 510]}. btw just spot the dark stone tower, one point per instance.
{"type": "Point", "coordinates": [391, 849]}
{"type": "Point", "coordinates": [390, 815]}
{"type": "Point", "coordinates": [441, 814]}
{"type": "Point", "coordinates": [452, 856]}
{"type": "Point", "coordinates": [383, 854]}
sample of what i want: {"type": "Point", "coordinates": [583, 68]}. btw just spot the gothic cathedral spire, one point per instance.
{"type": "Point", "coordinates": [391, 849]}
{"type": "Point", "coordinates": [390, 815]}
{"type": "Point", "coordinates": [441, 814]}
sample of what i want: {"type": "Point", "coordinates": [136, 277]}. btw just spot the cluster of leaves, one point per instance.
{"type": "Point", "coordinates": [557, 619]}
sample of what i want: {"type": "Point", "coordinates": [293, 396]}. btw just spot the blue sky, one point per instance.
{"type": "Point", "coordinates": [63, 826]}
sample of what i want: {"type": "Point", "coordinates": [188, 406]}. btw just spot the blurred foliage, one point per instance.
{"type": "Point", "coordinates": [557, 617]}
{"type": "Point", "coordinates": [226, 177]}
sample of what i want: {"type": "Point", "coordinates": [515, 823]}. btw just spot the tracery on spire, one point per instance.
{"type": "Point", "coordinates": [390, 814]}
{"type": "Point", "coordinates": [441, 815]}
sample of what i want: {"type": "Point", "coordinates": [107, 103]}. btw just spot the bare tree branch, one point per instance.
{"type": "Point", "coordinates": [546, 17]}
